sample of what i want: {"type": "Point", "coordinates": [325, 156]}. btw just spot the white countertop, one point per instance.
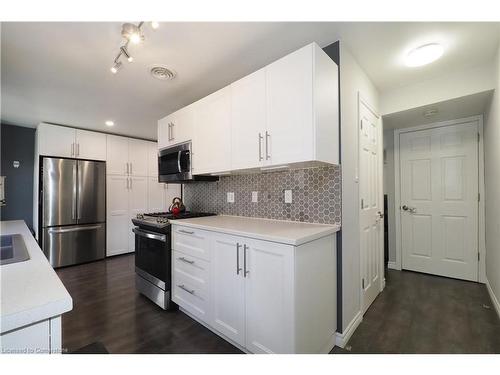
{"type": "Point", "coordinates": [287, 232]}
{"type": "Point", "coordinates": [30, 291]}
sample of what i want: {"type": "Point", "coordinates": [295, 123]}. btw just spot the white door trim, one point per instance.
{"type": "Point", "coordinates": [397, 191]}
{"type": "Point", "coordinates": [363, 101]}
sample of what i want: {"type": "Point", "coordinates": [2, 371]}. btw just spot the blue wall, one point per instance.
{"type": "Point", "coordinates": [17, 144]}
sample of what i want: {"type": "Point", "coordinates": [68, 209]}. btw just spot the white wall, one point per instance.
{"type": "Point", "coordinates": [492, 185]}
{"type": "Point", "coordinates": [389, 190]}
{"type": "Point", "coordinates": [452, 85]}
{"type": "Point", "coordinates": [353, 80]}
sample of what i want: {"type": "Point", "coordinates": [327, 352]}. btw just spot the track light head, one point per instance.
{"type": "Point", "coordinates": [132, 33]}
{"type": "Point", "coordinates": [124, 51]}
{"type": "Point", "coordinates": [116, 66]}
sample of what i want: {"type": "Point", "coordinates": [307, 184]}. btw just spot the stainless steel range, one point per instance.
{"type": "Point", "coordinates": [153, 251]}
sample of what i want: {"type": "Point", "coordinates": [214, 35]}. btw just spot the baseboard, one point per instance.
{"type": "Point", "coordinates": [342, 339]}
{"type": "Point", "coordinates": [392, 266]}
{"type": "Point", "coordinates": [494, 298]}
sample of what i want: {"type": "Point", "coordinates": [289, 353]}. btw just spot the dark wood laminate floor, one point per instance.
{"type": "Point", "coordinates": [108, 310]}
{"type": "Point", "coordinates": [418, 313]}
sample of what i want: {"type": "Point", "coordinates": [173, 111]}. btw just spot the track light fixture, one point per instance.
{"type": "Point", "coordinates": [132, 34]}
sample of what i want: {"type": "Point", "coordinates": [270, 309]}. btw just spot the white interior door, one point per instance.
{"type": "Point", "coordinates": [371, 208]}
{"type": "Point", "coordinates": [439, 200]}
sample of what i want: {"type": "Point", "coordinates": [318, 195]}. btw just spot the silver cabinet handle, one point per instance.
{"type": "Point", "coordinates": [238, 269]}
{"type": "Point", "coordinates": [260, 147]}
{"type": "Point", "coordinates": [190, 291]}
{"type": "Point", "coordinates": [267, 145]}
{"type": "Point", "coordinates": [186, 260]}
{"type": "Point", "coordinates": [78, 149]}
{"type": "Point", "coordinates": [130, 183]}
{"type": "Point", "coordinates": [73, 149]}
{"type": "Point", "coordinates": [131, 168]}
{"type": "Point", "coordinates": [245, 271]}
{"type": "Point", "coordinates": [127, 167]}
{"type": "Point", "coordinates": [127, 183]}
{"type": "Point", "coordinates": [172, 130]}
{"type": "Point", "coordinates": [185, 231]}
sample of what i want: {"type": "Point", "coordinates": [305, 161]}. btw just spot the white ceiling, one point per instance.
{"type": "Point", "coordinates": [59, 72]}
{"type": "Point", "coordinates": [462, 107]}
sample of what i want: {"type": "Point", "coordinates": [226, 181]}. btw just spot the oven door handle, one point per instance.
{"type": "Point", "coordinates": [150, 235]}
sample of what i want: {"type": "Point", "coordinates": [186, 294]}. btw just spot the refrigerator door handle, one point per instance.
{"type": "Point", "coordinates": [78, 208]}
{"type": "Point", "coordinates": [76, 229]}
{"type": "Point", "coordinates": [73, 203]}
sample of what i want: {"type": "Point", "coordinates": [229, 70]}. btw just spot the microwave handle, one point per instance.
{"type": "Point", "coordinates": [179, 154]}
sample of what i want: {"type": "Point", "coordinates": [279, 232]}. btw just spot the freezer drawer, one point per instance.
{"type": "Point", "coordinates": [74, 244]}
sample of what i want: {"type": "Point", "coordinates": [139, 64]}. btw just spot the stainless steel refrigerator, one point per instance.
{"type": "Point", "coordinates": [73, 210]}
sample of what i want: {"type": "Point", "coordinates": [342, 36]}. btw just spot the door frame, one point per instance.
{"type": "Point", "coordinates": [363, 101]}
{"type": "Point", "coordinates": [397, 188]}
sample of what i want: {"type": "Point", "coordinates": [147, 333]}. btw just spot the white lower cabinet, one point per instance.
{"type": "Point", "coordinates": [228, 288]}
{"type": "Point", "coordinates": [265, 297]}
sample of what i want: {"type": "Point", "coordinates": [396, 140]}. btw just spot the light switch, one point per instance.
{"type": "Point", "coordinates": [288, 196]}
{"type": "Point", "coordinates": [255, 196]}
{"type": "Point", "coordinates": [230, 197]}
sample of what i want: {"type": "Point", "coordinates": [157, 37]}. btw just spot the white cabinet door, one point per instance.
{"type": "Point", "coordinates": [116, 155]}
{"type": "Point", "coordinates": [248, 121]}
{"type": "Point", "coordinates": [118, 217]}
{"type": "Point", "coordinates": [172, 191]}
{"type": "Point", "coordinates": [56, 141]}
{"type": "Point", "coordinates": [212, 145]}
{"type": "Point", "coordinates": [138, 157]}
{"type": "Point", "coordinates": [182, 125]}
{"type": "Point", "coordinates": [163, 132]}
{"type": "Point", "coordinates": [269, 297]}
{"type": "Point", "coordinates": [228, 287]}
{"type": "Point", "coordinates": [153, 160]}
{"type": "Point", "coordinates": [156, 195]}
{"type": "Point", "coordinates": [90, 145]}
{"type": "Point", "coordinates": [138, 203]}
{"type": "Point", "coordinates": [289, 83]}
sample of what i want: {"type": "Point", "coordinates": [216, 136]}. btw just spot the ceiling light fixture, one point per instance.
{"type": "Point", "coordinates": [424, 55]}
{"type": "Point", "coordinates": [131, 33]}
{"type": "Point", "coordinates": [116, 66]}
{"type": "Point", "coordinates": [109, 123]}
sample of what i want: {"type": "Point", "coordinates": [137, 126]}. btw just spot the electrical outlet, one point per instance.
{"type": "Point", "coordinates": [230, 197]}
{"type": "Point", "coordinates": [255, 196]}
{"type": "Point", "coordinates": [288, 196]}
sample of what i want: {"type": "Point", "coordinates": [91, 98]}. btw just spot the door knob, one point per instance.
{"type": "Point", "coordinates": [380, 214]}
{"type": "Point", "coordinates": [409, 209]}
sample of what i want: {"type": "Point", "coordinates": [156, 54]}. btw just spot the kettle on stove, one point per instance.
{"type": "Point", "coordinates": [177, 206]}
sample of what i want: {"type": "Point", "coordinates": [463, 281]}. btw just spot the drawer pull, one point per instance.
{"type": "Point", "coordinates": [186, 260]}
{"type": "Point", "coordinates": [185, 231]}
{"type": "Point", "coordinates": [186, 289]}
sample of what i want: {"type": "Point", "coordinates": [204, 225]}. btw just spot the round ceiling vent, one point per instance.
{"type": "Point", "coordinates": [161, 72]}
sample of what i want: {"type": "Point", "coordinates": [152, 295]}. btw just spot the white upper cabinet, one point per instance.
{"type": "Point", "coordinates": [286, 113]}
{"type": "Point", "coordinates": [248, 121]}
{"type": "Point", "coordinates": [289, 87]}
{"type": "Point", "coordinates": [177, 127]}
{"type": "Point", "coordinates": [153, 160]}
{"type": "Point", "coordinates": [212, 142]}
{"type": "Point", "coordinates": [62, 141]}
{"type": "Point", "coordinates": [90, 145]}
{"type": "Point", "coordinates": [138, 157]}
{"type": "Point", "coordinates": [127, 156]}
{"type": "Point", "coordinates": [117, 155]}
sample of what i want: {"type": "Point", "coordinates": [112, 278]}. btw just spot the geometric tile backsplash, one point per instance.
{"type": "Point", "coordinates": [316, 195]}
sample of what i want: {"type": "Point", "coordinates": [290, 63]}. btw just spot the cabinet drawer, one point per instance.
{"type": "Point", "coordinates": [194, 242]}
{"type": "Point", "coordinates": [190, 296]}
{"type": "Point", "coordinates": [195, 270]}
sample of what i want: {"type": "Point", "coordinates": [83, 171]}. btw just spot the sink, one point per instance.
{"type": "Point", "coordinates": [12, 249]}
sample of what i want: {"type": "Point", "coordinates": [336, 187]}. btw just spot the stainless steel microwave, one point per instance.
{"type": "Point", "coordinates": [175, 165]}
